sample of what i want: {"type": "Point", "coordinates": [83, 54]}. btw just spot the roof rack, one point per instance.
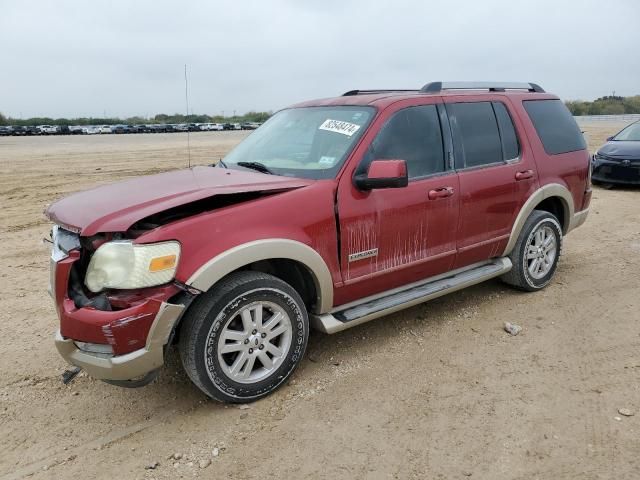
{"type": "Point", "coordinates": [435, 87]}
{"type": "Point", "coordinates": [351, 93]}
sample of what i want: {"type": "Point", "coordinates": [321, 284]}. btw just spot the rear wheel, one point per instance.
{"type": "Point", "coordinates": [536, 253]}
{"type": "Point", "coordinates": [243, 339]}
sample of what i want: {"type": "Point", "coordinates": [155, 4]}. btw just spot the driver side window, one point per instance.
{"type": "Point", "coordinates": [413, 135]}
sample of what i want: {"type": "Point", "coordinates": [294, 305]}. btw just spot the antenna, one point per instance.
{"type": "Point", "coordinates": [186, 101]}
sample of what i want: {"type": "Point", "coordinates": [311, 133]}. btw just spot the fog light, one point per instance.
{"type": "Point", "coordinates": [95, 348]}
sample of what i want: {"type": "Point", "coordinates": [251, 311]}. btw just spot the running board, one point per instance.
{"type": "Point", "coordinates": [392, 301]}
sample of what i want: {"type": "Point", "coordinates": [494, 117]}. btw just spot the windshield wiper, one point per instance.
{"type": "Point", "coordinates": [221, 162]}
{"type": "Point", "coordinates": [260, 167]}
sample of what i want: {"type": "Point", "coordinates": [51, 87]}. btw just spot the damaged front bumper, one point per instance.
{"type": "Point", "coordinates": [122, 340]}
{"type": "Point", "coordinates": [129, 365]}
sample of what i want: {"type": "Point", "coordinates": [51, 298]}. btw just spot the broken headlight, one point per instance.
{"type": "Point", "coordinates": [125, 265]}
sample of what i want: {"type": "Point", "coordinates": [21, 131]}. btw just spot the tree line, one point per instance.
{"type": "Point", "coordinates": [258, 117]}
{"type": "Point", "coordinates": [609, 105]}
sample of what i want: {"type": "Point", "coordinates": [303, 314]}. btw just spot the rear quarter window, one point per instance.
{"type": "Point", "coordinates": [555, 126]}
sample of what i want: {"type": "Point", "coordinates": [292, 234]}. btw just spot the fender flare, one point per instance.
{"type": "Point", "coordinates": [547, 191]}
{"type": "Point", "coordinates": [241, 255]}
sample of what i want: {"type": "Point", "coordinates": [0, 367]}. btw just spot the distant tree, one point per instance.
{"type": "Point", "coordinates": [3, 120]}
{"type": "Point", "coordinates": [632, 104]}
{"type": "Point", "coordinates": [616, 108]}
{"type": "Point", "coordinates": [608, 105]}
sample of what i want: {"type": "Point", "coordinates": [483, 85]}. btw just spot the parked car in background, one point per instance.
{"type": "Point", "coordinates": [18, 131]}
{"type": "Point", "coordinates": [63, 130]}
{"type": "Point", "coordinates": [5, 131]}
{"type": "Point", "coordinates": [32, 130]}
{"type": "Point", "coordinates": [105, 129]}
{"type": "Point", "coordinates": [121, 128]}
{"type": "Point", "coordinates": [618, 160]}
{"type": "Point", "coordinates": [212, 126]}
{"type": "Point", "coordinates": [142, 128]}
{"type": "Point", "coordinates": [75, 129]}
{"type": "Point", "coordinates": [181, 127]}
{"type": "Point", "coordinates": [90, 130]}
{"type": "Point", "coordinates": [47, 129]}
{"type": "Point", "coordinates": [393, 198]}
{"type": "Point", "coordinates": [194, 127]}
{"type": "Point", "coordinates": [249, 126]}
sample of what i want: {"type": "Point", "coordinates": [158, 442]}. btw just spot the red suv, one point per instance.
{"type": "Point", "coordinates": [331, 214]}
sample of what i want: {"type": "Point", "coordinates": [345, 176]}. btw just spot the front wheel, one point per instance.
{"type": "Point", "coordinates": [536, 253]}
{"type": "Point", "coordinates": [245, 337]}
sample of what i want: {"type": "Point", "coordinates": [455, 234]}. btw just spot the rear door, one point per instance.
{"type": "Point", "coordinates": [391, 237]}
{"type": "Point", "coordinates": [497, 174]}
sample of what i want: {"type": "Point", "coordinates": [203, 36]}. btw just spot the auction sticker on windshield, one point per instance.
{"type": "Point", "coordinates": [338, 126]}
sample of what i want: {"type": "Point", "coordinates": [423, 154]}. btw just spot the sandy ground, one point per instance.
{"type": "Point", "coordinates": [438, 391]}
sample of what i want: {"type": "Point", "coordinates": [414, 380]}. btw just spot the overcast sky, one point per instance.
{"type": "Point", "coordinates": [86, 58]}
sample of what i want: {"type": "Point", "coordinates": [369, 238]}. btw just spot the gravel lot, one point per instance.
{"type": "Point", "coordinates": [438, 391]}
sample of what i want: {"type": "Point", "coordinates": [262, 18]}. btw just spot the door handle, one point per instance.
{"type": "Point", "coordinates": [523, 175]}
{"type": "Point", "coordinates": [441, 192]}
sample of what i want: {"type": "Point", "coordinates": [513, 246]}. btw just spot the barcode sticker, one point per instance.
{"type": "Point", "coordinates": [345, 128]}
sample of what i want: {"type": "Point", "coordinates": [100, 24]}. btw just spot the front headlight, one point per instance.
{"type": "Point", "coordinates": [125, 265]}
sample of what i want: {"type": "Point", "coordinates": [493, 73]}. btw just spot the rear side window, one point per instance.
{"type": "Point", "coordinates": [510, 149]}
{"type": "Point", "coordinates": [475, 132]}
{"type": "Point", "coordinates": [412, 134]}
{"type": "Point", "coordinates": [556, 127]}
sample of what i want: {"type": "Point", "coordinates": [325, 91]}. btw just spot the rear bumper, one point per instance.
{"type": "Point", "coordinates": [130, 365]}
{"type": "Point", "coordinates": [578, 219]}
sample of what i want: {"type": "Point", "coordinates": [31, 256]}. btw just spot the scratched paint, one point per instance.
{"type": "Point", "coordinates": [361, 235]}
{"type": "Point", "coordinates": [107, 330]}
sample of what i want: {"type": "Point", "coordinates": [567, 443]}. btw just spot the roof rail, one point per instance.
{"type": "Point", "coordinates": [351, 93]}
{"type": "Point", "coordinates": [435, 87]}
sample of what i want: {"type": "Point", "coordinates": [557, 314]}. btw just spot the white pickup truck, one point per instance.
{"type": "Point", "coordinates": [47, 129]}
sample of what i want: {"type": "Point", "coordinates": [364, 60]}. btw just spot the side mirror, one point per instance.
{"type": "Point", "coordinates": [383, 174]}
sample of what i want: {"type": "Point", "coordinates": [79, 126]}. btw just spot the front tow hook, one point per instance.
{"type": "Point", "coordinates": [70, 374]}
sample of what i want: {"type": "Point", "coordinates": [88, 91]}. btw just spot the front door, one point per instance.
{"type": "Point", "coordinates": [391, 237]}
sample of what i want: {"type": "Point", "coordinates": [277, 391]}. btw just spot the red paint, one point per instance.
{"type": "Point", "coordinates": [431, 226]}
{"type": "Point", "coordinates": [115, 207]}
{"type": "Point", "coordinates": [387, 169]}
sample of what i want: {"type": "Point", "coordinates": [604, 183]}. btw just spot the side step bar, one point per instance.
{"type": "Point", "coordinates": [376, 306]}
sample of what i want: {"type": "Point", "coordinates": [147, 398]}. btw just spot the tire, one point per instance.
{"type": "Point", "coordinates": [526, 274]}
{"type": "Point", "coordinates": [224, 346]}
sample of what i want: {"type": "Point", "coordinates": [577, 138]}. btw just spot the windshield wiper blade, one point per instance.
{"type": "Point", "coordinates": [260, 167]}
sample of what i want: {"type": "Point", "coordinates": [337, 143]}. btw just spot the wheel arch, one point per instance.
{"type": "Point", "coordinates": [553, 198]}
{"type": "Point", "coordinates": [290, 260]}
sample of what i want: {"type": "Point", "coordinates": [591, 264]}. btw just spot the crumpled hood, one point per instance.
{"type": "Point", "coordinates": [115, 207]}
{"type": "Point", "coordinates": [621, 149]}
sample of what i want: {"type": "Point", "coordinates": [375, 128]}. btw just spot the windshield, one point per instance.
{"type": "Point", "coordinates": [310, 142]}
{"type": "Point", "coordinates": [631, 133]}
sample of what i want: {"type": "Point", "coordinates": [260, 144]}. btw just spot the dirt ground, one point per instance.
{"type": "Point", "coordinates": [438, 391]}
